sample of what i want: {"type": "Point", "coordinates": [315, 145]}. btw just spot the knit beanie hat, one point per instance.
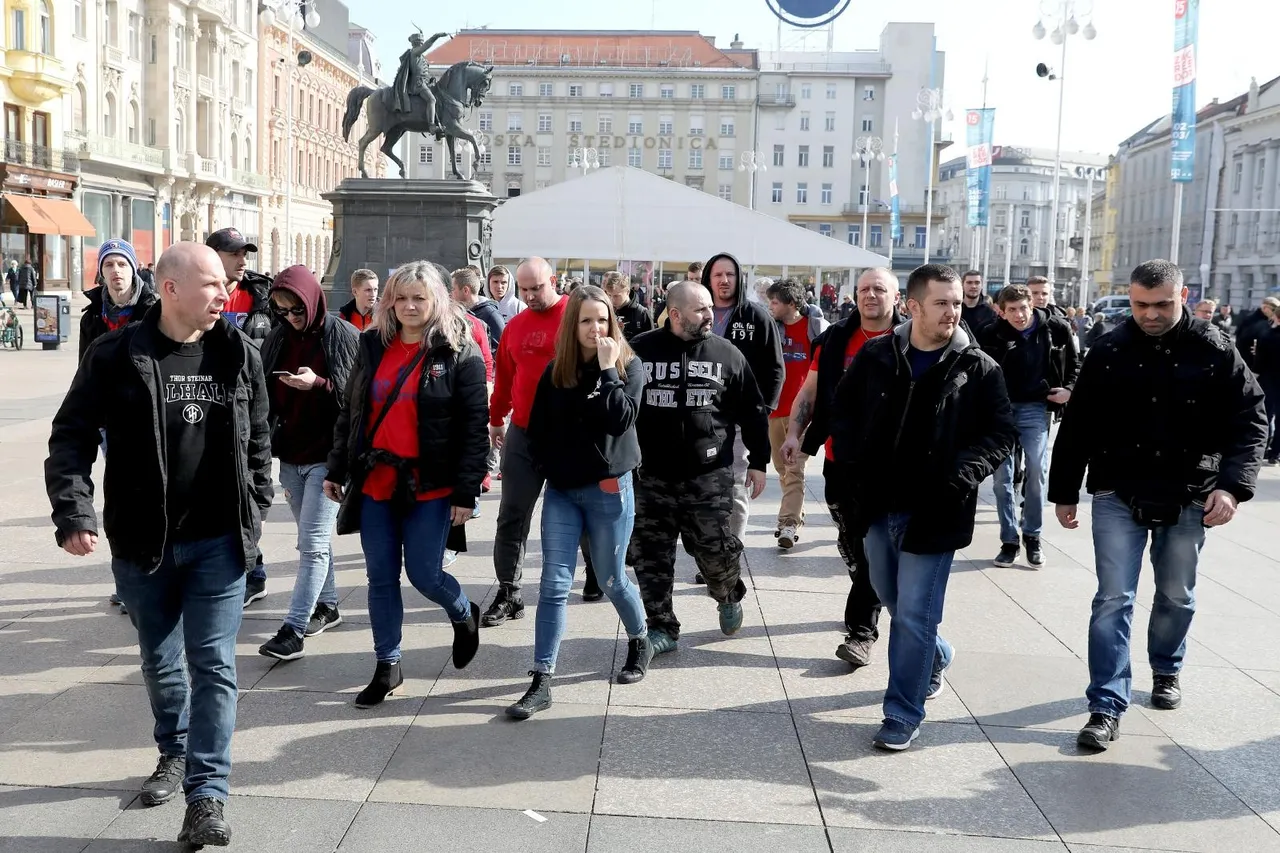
{"type": "Point", "coordinates": [116, 246]}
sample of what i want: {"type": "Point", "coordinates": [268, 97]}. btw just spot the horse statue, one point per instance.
{"type": "Point", "coordinates": [463, 85]}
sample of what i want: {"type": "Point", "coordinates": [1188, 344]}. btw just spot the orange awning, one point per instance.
{"type": "Point", "coordinates": [50, 215]}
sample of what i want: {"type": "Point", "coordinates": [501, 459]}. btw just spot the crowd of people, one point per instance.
{"type": "Point", "coordinates": [641, 422]}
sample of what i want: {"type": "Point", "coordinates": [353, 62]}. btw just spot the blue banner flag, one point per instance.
{"type": "Point", "coordinates": [1186, 20]}
{"type": "Point", "coordinates": [980, 125]}
{"type": "Point", "coordinates": [895, 215]}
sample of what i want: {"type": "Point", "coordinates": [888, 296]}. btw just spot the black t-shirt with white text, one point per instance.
{"type": "Point", "coordinates": [202, 500]}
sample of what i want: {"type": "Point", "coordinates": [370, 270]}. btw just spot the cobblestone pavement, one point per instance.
{"type": "Point", "coordinates": [756, 743]}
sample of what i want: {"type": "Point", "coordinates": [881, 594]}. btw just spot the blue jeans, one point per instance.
{"type": "Point", "coordinates": [1032, 420]}
{"type": "Point", "coordinates": [315, 515]}
{"type": "Point", "coordinates": [190, 607]}
{"type": "Point", "coordinates": [913, 587]}
{"type": "Point", "coordinates": [415, 536]}
{"type": "Point", "coordinates": [607, 520]}
{"type": "Point", "coordinates": [1118, 543]}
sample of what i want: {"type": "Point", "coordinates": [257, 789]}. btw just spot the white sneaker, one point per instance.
{"type": "Point", "coordinates": [788, 536]}
{"type": "Point", "coordinates": [450, 557]}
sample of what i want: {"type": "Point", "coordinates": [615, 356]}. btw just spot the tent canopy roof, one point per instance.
{"type": "Point", "coordinates": [623, 213]}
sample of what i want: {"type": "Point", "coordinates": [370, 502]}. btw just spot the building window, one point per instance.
{"type": "Point", "coordinates": [802, 157]}
{"type": "Point", "coordinates": [826, 193]}
{"type": "Point", "coordinates": [828, 156]}
{"type": "Point", "coordinates": [1024, 247]}
{"type": "Point", "coordinates": [134, 36]}
{"type": "Point", "coordinates": [635, 125]}
{"type": "Point", "coordinates": [804, 121]}
{"type": "Point", "coordinates": [667, 91]}
{"type": "Point", "coordinates": [824, 228]}
{"type": "Point", "coordinates": [603, 157]}
{"type": "Point", "coordinates": [606, 90]}
{"type": "Point", "coordinates": [664, 158]}
{"type": "Point", "coordinates": [485, 161]}
{"type": "Point", "coordinates": [46, 32]}
{"type": "Point", "coordinates": [779, 154]}
{"type": "Point", "coordinates": [726, 127]}
{"type": "Point", "coordinates": [1001, 191]}
{"type": "Point", "coordinates": [77, 17]}
{"type": "Point", "coordinates": [780, 120]}
{"type": "Point", "coordinates": [635, 158]}
{"type": "Point", "coordinates": [131, 130]}
{"type": "Point", "coordinates": [855, 235]}
{"type": "Point", "coordinates": [425, 155]}
{"type": "Point", "coordinates": [486, 116]}
{"type": "Point", "coordinates": [636, 90]}
{"type": "Point", "coordinates": [1026, 219]}
{"type": "Point", "coordinates": [544, 122]}
{"type": "Point", "coordinates": [546, 90]}
{"type": "Point", "coordinates": [544, 155]}
{"type": "Point", "coordinates": [725, 192]}
{"type": "Point", "coordinates": [806, 91]}
{"type": "Point", "coordinates": [863, 196]}
{"type": "Point", "coordinates": [109, 116]}
{"type": "Point", "coordinates": [875, 237]}
{"type": "Point", "coordinates": [695, 158]}
{"type": "Point", "coordinates": [605, 123]}
{"type": "Point", "coordinates": [697, 91]}
{"type": "Point", "coordinates": [693, 181]}
{"type": "Point", "coordinates": [1258, 172]}
{"type": "Point", "coordinates": [802, 193]}
{"type": "Point", "coordinates": [829, 124]}
{"type": "Point", "coordinates": [666, 126]}
{"type": "Point", "coordinates": [776, 196]}
{"type": "Point", "coordinates": [921, 231]}
{"type": "Point", "coordinates": [1238, 177]}
{"type": "Point", "coordinates": [515, 121]}
{"type": "Point", "coordinates": [18, 32]}
{"type": "Point", "coordinates": [866, 125]}
{"type": "Point", "coordinates": [831, 91]}
{"type": "Point", "coordinates": [575, 123]}
{"type": "Point", "coordinates": [575, 90]}
{"type": "Point", "coordinates": [726, 161]}
{"type": "Point", "coordinates": [728, 93]}
{"type": "Point", "coordinates": [514, 155]}
{"type": "Point", "coordinates": [515, 90]}
{"type": "Point", "coordinates": [695, 125]}
{"type": "Point", "coordinates": [869, 93]}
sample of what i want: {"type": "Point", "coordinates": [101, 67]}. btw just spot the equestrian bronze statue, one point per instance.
{"type": "Point", "coordinates": [419, 103]}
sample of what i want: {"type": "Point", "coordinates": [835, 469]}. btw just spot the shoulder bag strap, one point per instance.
{"type": "Point", "coordinates": [395, 392]}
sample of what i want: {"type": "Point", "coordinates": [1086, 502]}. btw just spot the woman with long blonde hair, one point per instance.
{"type": "Point", "coordinates": [409, 454]}
{"type": "Point", "coordinates": [582, 437]}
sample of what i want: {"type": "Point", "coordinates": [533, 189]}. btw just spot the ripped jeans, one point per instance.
{"type": "Point", "coordinates": [315, 515]}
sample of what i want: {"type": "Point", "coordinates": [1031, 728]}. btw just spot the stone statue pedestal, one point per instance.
{"type": "Point", "coordinates": [381, 223]}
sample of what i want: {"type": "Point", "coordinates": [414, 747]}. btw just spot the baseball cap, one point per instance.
{"type": "Point", "coordinates": [229, 240]}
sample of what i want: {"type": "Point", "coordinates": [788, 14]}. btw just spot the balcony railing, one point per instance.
{"type": "Point", "coordinates": [238, 106]}
{"type": "Point", "coordinates": [95, 145]}
{"type": "Point", "coordinates": [114, 56]}
{"type": "Point", "coordinates": [41, 157]}
{"type": "Point", "coordinates": [776, 100]}
{"type": "Point", "coordinates": [877, 209]}
{"type": "Point", "coordinates": [205, 86]}
{"type": "Point", "coordinates": [182, 76]}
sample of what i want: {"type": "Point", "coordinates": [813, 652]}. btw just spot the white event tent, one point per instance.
{"type": "Point", "coordinates": [624, 213]}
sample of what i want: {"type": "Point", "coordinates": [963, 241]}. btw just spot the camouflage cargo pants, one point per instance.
{"type": "Point", "coordinates": [697, 510]}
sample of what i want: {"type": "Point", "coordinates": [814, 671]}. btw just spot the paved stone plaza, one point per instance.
{"type": "Point", "coordinates": [759, 744]}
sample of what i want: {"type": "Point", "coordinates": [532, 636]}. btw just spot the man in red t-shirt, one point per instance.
{"type": "Point", "coordinates": [528, 344]}
{"type": "Point", "coordinates": [799, 326]}
{"type": "Point", "coordinates": [809, 430]}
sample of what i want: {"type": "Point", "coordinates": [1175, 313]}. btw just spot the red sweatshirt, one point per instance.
{"type": "Point", "coordinates": [528, 344]}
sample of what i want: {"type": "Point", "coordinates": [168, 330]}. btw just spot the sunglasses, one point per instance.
{"type": "Point", "coordinates": [296, 311]}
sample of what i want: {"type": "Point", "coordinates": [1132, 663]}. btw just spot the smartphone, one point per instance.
{"type": "Point", "coordinates": [281, 373]}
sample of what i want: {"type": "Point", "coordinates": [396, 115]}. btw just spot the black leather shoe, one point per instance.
{"type": "Point", "coordinates": [639, 656]}
{"type": "Point", "coordinates": [386, 678]}
{"type": "Point", "coordinates": [466, 638]}
{"type": "Point", "coordinates": [204, 825]}
{"type": "Point", "coordinates": [1166, 692]}
{"type": "Point", "coordinates": [536, 698]}
{"type": "Point", "coordinates": [1099, 732]}
{"type": "Point", "coordinates": [1035, 553]}
{"type": "Point", "coordinates": [506, 605]}
{"type": "Point", "coordinates": [162, 785]}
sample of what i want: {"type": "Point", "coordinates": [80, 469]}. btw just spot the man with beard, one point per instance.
{"type": "Point", "coordinates": [121, 297]}
{"type": "Point", "coordinates": [977, 311]}
{"type": "Point", "coordinates": [248, 308]}
{"type": "Point", "coordinates": [749, 327]}
{"type": "Point", "coordinates": [699, 387]}
{"type": "Point", "coordinates": [810, 431]}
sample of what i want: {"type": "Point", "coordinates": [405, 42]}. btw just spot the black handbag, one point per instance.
{"type": "Point", "coordinates": [1153, 514]}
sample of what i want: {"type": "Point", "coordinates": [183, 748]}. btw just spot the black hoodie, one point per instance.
{"type": "Point", "coordinates": [634, 319]}
{"type": "Point", "coordinates": [697, 394]}
{"type": "Point", "coordinates": [755, 333]}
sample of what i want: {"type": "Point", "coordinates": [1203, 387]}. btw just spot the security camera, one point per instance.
{"type": "Point", "coordinates": [1045, 72]}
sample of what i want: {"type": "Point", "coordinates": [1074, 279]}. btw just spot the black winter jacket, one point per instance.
{"type": "Point", "coordinates": [341, 344]}
{"type": "Point", "coordinates": [1169, 418]}
{"type": "Point", "coordinates": [635, 319]}
{"type": "Point", "coordinates": [486, 311]}
{"type": "Point", "coordinates": [1253, 326]}
{"type": "Point", "coordinates": [453, 425]}
{"type": "Point", "coordinates": [1267, 362]}
{"type": "Point", "coordinates": [1055, 357]}
{"type": "Point", "coordinates": [116, 388]}
{"type": "Point", "coordinates": [92, 326]}
{"type": "Point", "coordinates": [961, 416]}
{"type": "Point", "coordinates": [696, 395]}
{"type": "Point", "coordinates": [833, 343]}
{"type": "Point", "coordinates": [753, 331]}
{"type": "Point", "coordinates": [585, 434]}
{"type": "Point", "coordinates": [260, 321]}
{"type": "Point", "coordinates": [979, 316]}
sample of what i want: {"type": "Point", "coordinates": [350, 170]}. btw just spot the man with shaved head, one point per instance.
{"type": "Point", "coordinates": [183, 401]}
{"type": "Point", "coordinates": [527, 347]}
{"type": "Point", "coordinates": [810, 431]}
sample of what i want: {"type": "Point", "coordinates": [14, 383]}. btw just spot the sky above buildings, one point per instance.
{"type": "Point", "coordinates": [1115, 84]}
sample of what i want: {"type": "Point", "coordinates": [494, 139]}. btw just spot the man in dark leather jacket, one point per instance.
{"type": "Point", "coordinates": [1169, 423]}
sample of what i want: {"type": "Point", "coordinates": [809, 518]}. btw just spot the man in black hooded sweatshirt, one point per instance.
{"type": "Point", "coordinates": [750, 328]}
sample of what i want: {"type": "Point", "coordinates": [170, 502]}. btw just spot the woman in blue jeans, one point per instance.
{"type": "Point", "coordinates": [410, 450]}
{"type": "Point", "coordinates": [582, 437]}
{"type": "Point", "coordinates": [307, 359]}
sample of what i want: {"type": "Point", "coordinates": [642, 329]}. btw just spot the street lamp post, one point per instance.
{"type": "Point", "coordinates": [752, 161]}
{"type": "Point", "coordinates": [585, 159]}
{"type": "Point", "coordinates": [866, 149]}
{"type": "Point", "coordinates": [296, 13]}
{"type": "Point", "coordinates": [1089, 174]}
{"type": "Point", "coordinates": [929, 108]}
{"type": "Point", "coordinates": [1064, 15]}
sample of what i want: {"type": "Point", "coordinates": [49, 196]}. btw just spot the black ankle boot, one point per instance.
{"type": "Point", "coordinates": [386, 678]}
{"type": "Point", "coordinates": [639, 656]}
{"type": "Point", "coordinates": [466, 638]}
{"type": "Point", "coordinates": [536, 698]}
